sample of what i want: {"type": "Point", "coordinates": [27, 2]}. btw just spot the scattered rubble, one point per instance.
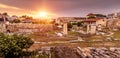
{"type": "Point", "coordinates": [62, 51]}
{"type": "Point", "coordinates": [99, 52]}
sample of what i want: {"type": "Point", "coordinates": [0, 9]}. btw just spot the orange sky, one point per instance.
{"type": "Point", "coordinates": [11, 10]}
{"type": "Point", "coordinates": [68, 8]}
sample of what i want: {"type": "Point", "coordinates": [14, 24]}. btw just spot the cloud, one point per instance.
{"type": "Point", "coordinates": [9, 7]}
{"type": "Point", "coordinates": [62, 7]}
{"type": "Point", "coordinates": [14, 10]}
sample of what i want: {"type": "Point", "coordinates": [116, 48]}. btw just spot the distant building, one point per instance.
{"type": "Point", "coordinates": [13, 18]}
{"type": "Point", "coordinates": [94, 25]}
{"type": "Point", "coordinates": [95, 21]}
{"type": "Point", "coordinates": [114, 16]}
{"type": "Point", "coordinates": [27, 20]}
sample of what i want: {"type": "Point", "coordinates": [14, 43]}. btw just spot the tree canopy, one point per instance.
{"type": "Point", "coordinates": [13, 45]}
{"type": "Point", "coordinates": [91, 16]}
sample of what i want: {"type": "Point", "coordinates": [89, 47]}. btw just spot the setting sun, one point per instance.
{"type": "Point", "coordinates": [42, 14]}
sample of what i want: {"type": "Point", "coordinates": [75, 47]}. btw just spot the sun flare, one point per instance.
{"type": "Point", "coordinates": [42, 14]}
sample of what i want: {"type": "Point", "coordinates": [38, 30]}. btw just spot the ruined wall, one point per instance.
{"type": "Point", "coordinates": [29, 27]}
{"type": "Point", "coordinates": [2, 27]}
{"type": "Point", "coordinates": [101, 22]}
{"type": "Point", "coordinates": [113, 23]}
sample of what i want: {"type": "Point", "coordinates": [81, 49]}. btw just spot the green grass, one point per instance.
{"type": "Point", "coordinates": [95, 38]}
{"type": "Point", "coordinates": [92, 41]}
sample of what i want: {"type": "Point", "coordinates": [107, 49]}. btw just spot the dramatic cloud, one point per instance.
{"type": "Point", "coordinates": [67, 7]}
{"type": "Point", "coordinates": [14, 10]}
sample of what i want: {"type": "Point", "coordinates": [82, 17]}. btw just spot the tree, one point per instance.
{"type": "Point", "coordinates": [100, 15]}
{"type": "Point", "coordinates": [79, 24]}
{"type": "Point", "coordinates": [5, 14]}
{"type": "Point", "coordinates": [69, 25]}
{"type": "Point", "coordinates": [92, 16]}
{"type": "Point", "coordinates": [11, 46]}
{"type": "Point", "coordinates": [74, 23]}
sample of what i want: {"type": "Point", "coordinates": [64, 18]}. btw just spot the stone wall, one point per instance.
{"type": "Point", "coordinates": [29, 27]}
{"type": "Point", "coordinates": [2, 27]}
